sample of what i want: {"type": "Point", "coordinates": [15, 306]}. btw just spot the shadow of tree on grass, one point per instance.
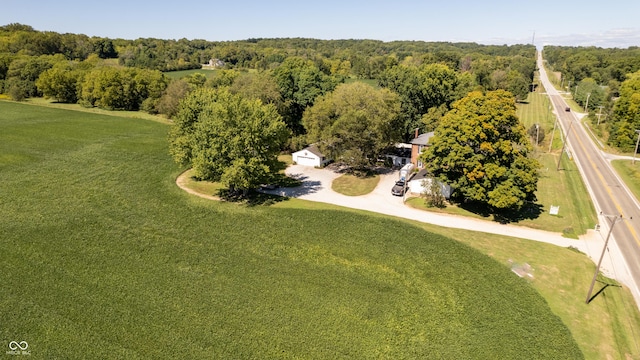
{"type": "Point", "coordinates": [529, 211]}
{"type": "Point", "coordinates": [251, 197]}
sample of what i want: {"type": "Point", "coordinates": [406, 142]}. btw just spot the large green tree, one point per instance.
{"type": "Point", "coordinates": [589, 90]}
{"type": "Point", "coordinates": [24, 71]}
{"type": "Point", "coordinates": [354, 123]}
{"type": "Point", "coordinates": [227, 138]}
{"type": "Point", "coordinates": [258, 86]}
{"type": "Point", "coordinates": [61, 82]}
{"type": "Point", "coordinates": [300, 82]}
{"type": "Point", "coordinates": [512, 81]}
{"type": "Point", "coordinates": [122, 88]}
{"type": "Point", "coordinates": [481, 149]}
{"type": "Point", "coordinates": [171, 97]}
{"type": "Point", "coordinates": [420, 89]}
{"type": "Point", "coordinates": [626, 114]}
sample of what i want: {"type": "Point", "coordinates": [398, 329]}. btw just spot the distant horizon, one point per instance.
{"type": "Point", "coordinates": [584, 43]}
{"type": "Point", "coordinates": [501, 22]}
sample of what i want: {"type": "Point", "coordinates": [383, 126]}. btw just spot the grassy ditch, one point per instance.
{"type": "Point", "coordinates": [630, 174]}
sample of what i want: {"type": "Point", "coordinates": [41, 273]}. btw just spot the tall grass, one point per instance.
{"type": "Point", "coordinates": [106, 258]}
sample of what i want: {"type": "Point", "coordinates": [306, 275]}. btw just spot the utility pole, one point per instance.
{"type": "Point", "coordinates": [538, 133]}
{"type": "Point", "coordinates": [599, 114]}
{"type": "Point", "coordinates": [587, 104]}
{"type": "Point", "coordinates": [552, 132]}
{"type": "Point", "coordinates": [636, 150]}
{"type": "Point", "coordinates": [564, 144]}
{"type": "Point", "coordinates": [533, 40]}
{"type": "Point", "coordinates": [616, 218]}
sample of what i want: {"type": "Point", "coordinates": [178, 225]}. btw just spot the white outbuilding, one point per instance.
{"type": "Point", "coordinates": [310, 156]}
{"type": "Point", "coordinates": [421, 183]}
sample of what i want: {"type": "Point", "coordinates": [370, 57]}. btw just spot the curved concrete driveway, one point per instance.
{"type": "Point", "coordinates": [316, 186]}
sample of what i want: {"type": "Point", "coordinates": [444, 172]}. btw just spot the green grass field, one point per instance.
{"type": "Point", "coordinates": [352, 185]}
{"type": "Point", "coordinates": [184, 73]}
{"type": "Point", "coordinates": [106, 258]}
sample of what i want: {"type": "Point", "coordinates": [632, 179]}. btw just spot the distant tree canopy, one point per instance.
{"type": "Point", "coordinates": [122, 89]}
{"type": "Point", "coordinates": [482, 150]}
{"type": "Point", "coordinates": [599, 76]}
{"type": "Point", "coordinates": [354, 123]}
{"type": "Point", "coordinates": [227, 138]}
{"type": "Point", "coordinates": [626, 114]}
{"type": "Point", "coordinates": [292, 73]}
{"type": "Point", "coordinates": [600, 64]}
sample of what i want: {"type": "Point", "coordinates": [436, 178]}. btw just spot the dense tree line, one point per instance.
{"type": "Point", "coordinates": [604, 82]}
{"type": "Point", "coordinates": [625, 117]}
{"type": "Point", "coordinates": [428, 76]}
{"type": "Point", "coordinates": [361, 58]}
{"type": "Point", "coordinates": [277, 93]}
{"type": "Point", "coordinates": [601, 64]}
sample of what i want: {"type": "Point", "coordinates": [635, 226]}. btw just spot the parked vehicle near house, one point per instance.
{"type": "Point", "coordinates": [406, 172]}
{"type": "Point", "coordinates": [398, 188]}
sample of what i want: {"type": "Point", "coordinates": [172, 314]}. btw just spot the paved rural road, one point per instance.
{"type": "Point", "coordinates": [316, 186]}
{"type": "Point", "coordinates": [610, 195]}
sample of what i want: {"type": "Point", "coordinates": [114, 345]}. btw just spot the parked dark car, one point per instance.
{"type": "Point", "coordinates": [567, 109]}
{"type": "Point", "coordinates": [398, 188]}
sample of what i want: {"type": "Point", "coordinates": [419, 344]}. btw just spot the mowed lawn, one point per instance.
{"type": "Point", "coordinates": [352, 185]}
{"type": "Point", "coordinates": [179, 74]}
{"type": "Point", "coordinates": [104, 257]}
{"type": "Point", "coordinates": [564, 188]}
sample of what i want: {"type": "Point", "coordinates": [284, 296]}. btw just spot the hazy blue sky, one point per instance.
{"type": "Point", "coordinates": [587, 22]}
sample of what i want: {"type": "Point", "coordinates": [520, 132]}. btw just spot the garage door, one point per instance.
{"type": "Point", "coordinates": [306, 161]}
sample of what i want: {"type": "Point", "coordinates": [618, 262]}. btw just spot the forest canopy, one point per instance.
{"type": "Point", "coordinates": [605, 83]}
